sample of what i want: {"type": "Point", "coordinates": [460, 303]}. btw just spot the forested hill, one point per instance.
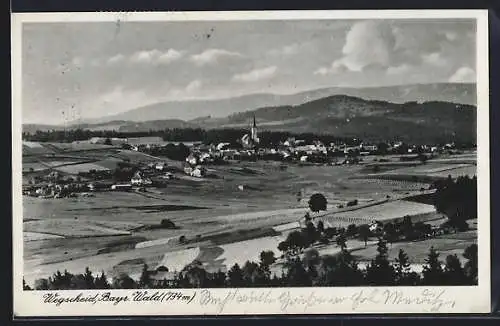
{"type": "Point", "coordinates": [338, 115]}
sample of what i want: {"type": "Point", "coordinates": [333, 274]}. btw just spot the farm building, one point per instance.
{"type": "Point", "coordinates": [96, 186]}
{"type": "Point", "coordinates": [199, 172]}
{"type": "Point", "coordinates": [122, 187]}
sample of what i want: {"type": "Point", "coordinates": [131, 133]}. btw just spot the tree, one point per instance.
{"type": "Point", "coordinates": [351, 231]}
{"type": "Point", "coordinates": [471, 266]}
{"type": "Point", "coordinates": [235, 276]}
{"type": "Point", "coordinates": [295, 241]}
{"type": "Point", "coordinates": [453, 272]}
{"type": "Point", "coordinates": [330, 232]}
{"type": "Point", "coordinates": [196, 275]}
{"type": "Point", "coordinates": [296, 274]}
{"type": "Point", "coordinates": [390, 232]}
{"type": "Point", "coordinates": [380, 271]}
{"type": "Point", "coordinates": [219, 279]}
{"type": "Point", "coordinates": [123, 281]}
{"type": "Point", "coordinates": [320, 227]}
{"type": "Point", "coordinates": [26, 287]}
{"type": "Point", "coordinates": [310, 234]}
{"type": "Point", "coordinates": [341, 241]}
{"type": "Point", "coordinates": [404, 275]}
{"type": "Point", "coordinates": [267, 258]}
{"type": "Point", "coordinates": [101, 282]}
{"type": "Point", "coordinates": [145, 279]}
{"type": "Point", "coordinates": [317, 202]}
{"type": "Point", "coordinates": [250, 273]}
{"type": "Point", "coordinates": [89, 279]}
{"type": "Point", "coordinates": [364, 232]}
{"type": "Point", "coordinates": [108, 141]}
{"type": "Point", "coordinates": [311, 260]}
{"type": "Point", "coordinates": [433, 271]}
{"type": "Point", "coordinates": [42, 284]}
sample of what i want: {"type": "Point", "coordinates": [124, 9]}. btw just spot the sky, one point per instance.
{"type": "Point", "coordinates": [77, 70]}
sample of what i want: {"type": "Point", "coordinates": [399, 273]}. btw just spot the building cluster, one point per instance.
{"type": "Point", "coordinates": [197, 155]}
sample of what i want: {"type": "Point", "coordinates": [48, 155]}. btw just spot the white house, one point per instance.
{"type": "Point", "coordinates": [198, 172]}
{"type": "Point", "coordinates": [160, 166]}
{"type": "Point", "coordinates": [192, 159]}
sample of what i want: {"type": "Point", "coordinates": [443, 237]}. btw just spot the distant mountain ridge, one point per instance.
{"type": "Point", "coordinates": [341, 115]}
{"type": "Point", "coordinates": [189, 110]}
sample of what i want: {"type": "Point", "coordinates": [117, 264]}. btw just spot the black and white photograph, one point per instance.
{"type": "Point", "coordinates": [233, 151]}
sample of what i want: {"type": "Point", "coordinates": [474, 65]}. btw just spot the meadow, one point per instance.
{"type": "Point", "coordinates": [222, 223]}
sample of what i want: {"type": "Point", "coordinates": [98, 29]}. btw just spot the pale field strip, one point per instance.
{"type": "Point", "coordinates": [84, 167]}
{"type": "Point", "coordinates": [177, 260]}
{"type": "Point", "coordinates": [156, 242]}
{"type": "Point", "coordinates": [70, 228]}
{"type": "Point", "coordinates": [36, 236]}
{"type": "Point", "coordinates": [31, 144]}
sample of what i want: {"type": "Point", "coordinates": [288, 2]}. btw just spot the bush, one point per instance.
{"type": "Point", "coordinates": [167, 224]}
{"type": "Point", "coordinates": [352, 203]}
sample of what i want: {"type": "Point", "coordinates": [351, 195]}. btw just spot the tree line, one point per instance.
{"type": "Point", "coordinates": [207, 136]}
{"type": "Point", "coordinates": [309, 269]}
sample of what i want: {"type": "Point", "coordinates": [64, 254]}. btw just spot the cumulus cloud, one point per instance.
{"type": "Point", "coordinates": [116, 99]}
{"type": "Point", "coordinates": [116, 59]}
{"type": "Point", "coordinates": [170, 56]}
{"type": "Point", "coordinates": [463, 75]}
{"type": "Point", "coordinates": [451, 36]}
{"type": "Point", "coordinates": [156, 56]}
{"type": "Point", "coordinates": [368, 43]}
{"type": "Point", "coordinates": [256, 74]}
{"type": "Point", "coordinates": [399, 70]}
{"type": "Point", "coordinates": [290, 49]}
{"type": "Point", "coordinates": [435, 59]}
{"type": "Point", "coordinates": [336, 67]}
{"type": "Point", "coordinates": [194, 86]}
{"type": "Point", "coordinates": [212, 56]}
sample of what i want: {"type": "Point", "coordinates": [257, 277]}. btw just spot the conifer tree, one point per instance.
{"type": "Point", "coordinates": [453, 272]}
{"type": "Point", "coordinates": [433, 271]}
{"type": "Point", "coordinates": [471, 266]}
{"type": "Point", "coordinates": [235, 276]}
{"type": "Point", "coordinates": [380, 271]}
{"type": "Point", "coordinates": [145, 279]}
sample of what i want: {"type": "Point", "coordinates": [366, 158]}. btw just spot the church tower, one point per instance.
{"type": "Point", "coordinates": [253, 132]}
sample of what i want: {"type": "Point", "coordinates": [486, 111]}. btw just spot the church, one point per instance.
{"type": "Point", "coordinates": [251, 140]}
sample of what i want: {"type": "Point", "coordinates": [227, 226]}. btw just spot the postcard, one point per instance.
{"type": "Point", "coordinates": [233, 163]}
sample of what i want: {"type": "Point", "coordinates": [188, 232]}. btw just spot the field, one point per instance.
{"type": "Point", "coordinates": [222, 222]}
{"type": "Point", "coordinates": [417, 251]}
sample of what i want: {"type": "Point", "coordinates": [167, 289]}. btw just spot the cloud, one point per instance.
{"type": "Point", "coordinates": [451, 36]}
{"type": "Point", "coordinates": [170, 56]}
{"type": "Point", "coordinates": [145, 56]}
{"type": "Point", "coordinates": [116, 59]}
{"type": "Point", "coordinates": [368, 43]}
{"type": "Point", "coordinates": [398, 70]}
{"type": "Point", "coordinates": [435, 59]}
{"type": "Point", "coordinates": [463, 75]}
{"type": "Point", "coordinates": [155, 56]}
{"type": "Point", "coordinates": [212, 56]}
{"type": "Point", "coordinates": [336, 67]}
{"type": "Point", "coordinates": [287, 50]}
{"type": "Point", "coordinates": [256, 74]}
{"type": "Point", "coordinates": [194, 86]}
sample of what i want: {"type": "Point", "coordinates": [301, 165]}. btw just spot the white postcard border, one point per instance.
{"type": "Point", "coordinates": [339, 300]}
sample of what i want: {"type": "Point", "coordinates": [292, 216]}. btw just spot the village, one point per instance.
{"type": "Point", "coordinates": [153, 171]}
